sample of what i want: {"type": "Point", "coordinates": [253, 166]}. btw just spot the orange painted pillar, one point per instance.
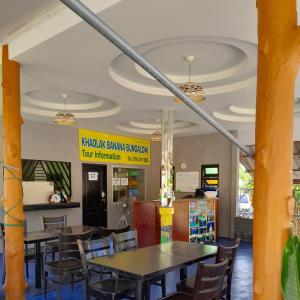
{"type": "Point", "coordinates": [278, 58]}
{"type": "Point", "coordinates": [14, 286]}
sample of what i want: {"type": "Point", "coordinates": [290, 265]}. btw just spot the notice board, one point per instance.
{"type": "Point", "coordinates": [187, 181]}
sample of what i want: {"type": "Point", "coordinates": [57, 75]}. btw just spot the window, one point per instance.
{"type": "Point", "coordinates": [209, 177]}
{"type": "Point", "coordinates": [246, 185]}
{"type": "Point", "coordinates": [52, 171]}
{"type": "Point", "coordinates": [128, 183]}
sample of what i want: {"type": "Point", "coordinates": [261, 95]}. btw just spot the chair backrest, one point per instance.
{"type": "Point", "coordinates": [209, 280]}
{"type": "Point", "coordinates": [104, 232]}
{"type": "Point", "coordinates": [230, 254]}
{"type": "Point", "coordinates": [125, 241]}
{"type": "Point", "coordinates": [54, 222]}
{"type": "Point", "coordinates": [2, 230]}
{"type": "Point", "coordinates": [2, 236]}
{"type": "Point", "coordinates": [89, 249]}
{"type": "Point", "coordinates": [68, 247]}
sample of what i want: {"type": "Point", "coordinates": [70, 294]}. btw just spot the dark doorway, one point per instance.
{"type": "Point", "coordinates": [94, 189]}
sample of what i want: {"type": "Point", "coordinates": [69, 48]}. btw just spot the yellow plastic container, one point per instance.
{"type": "Point", "coordinates": [166, 216]}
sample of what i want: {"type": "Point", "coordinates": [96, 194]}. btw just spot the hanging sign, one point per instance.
{"type": "Point", "coordinates": [104, 147]}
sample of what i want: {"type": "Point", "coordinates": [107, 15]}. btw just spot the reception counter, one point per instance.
{"type": "Point", "coordinates": [194, 220]}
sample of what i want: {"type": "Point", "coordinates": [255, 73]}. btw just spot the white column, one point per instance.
{"type": "Point", "coordinates": [166, 193]}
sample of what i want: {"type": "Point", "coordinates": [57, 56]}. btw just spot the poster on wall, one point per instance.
{"type": "Point", "coordinates": [109, 148]}
{"type": "Point", "coordinates": [93, 176]}
{"type": "Point", "coordinates": [187, 181]}
{"type": "Point", "coordinates": [116, 181]}
{"type": "Point", "coordinates": [124, 181]}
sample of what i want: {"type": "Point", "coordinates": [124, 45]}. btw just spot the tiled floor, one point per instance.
{"type": "Point", "coordinates": [241, 288]}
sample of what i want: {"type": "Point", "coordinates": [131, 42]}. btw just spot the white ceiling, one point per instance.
{"type": "Point", "coordinates": [14, 13]}
{"type": "Point", "coordinates": [60, 54]}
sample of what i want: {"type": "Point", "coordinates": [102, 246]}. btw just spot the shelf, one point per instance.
{"type": "Point", "coordinates": [45, 206]}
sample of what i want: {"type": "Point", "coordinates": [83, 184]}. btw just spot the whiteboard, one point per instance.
{"type": "Point", "coordinates": [187, 181]}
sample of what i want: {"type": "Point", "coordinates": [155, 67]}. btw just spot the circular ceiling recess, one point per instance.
{"type": "Point", "coordinates": [221, 65]}
{"type": "Point", "coordinates": [81, 105]}
{"type": "Point", "coordinates": [148, 127]}
{"type": "Point", "coordinates": [226, 115]}
{"type": "Point", "coordinates": [244, 114]}
{"type": "Point", "coordinates": [242, 110]}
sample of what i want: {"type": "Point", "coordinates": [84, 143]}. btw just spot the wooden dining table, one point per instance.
{"type": "Point", "coordinates": [38, 237]}
{"type": "Point", "coordinates": [143, 264]}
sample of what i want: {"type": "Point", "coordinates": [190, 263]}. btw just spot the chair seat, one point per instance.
{"type": "Point", "coordinates": [187, 286]}
{"type": "Point", "coordinates": [53, 244]}
{"type": "Point", "coordinates": [66, 265]}
{"type": "Point", "coordinates": [113, 286]}
{"type": "Point", "coordinates": [178, 296]}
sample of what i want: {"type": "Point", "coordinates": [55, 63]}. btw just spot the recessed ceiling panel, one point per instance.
{"type": "Point", "coordinates": [221, 65]}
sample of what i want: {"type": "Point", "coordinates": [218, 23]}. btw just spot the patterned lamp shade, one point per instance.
{"type": "Point", "coordinates": [65, 118]}
{"type": "Point", "coordinates": [194, 91]}
{"type": "Point", "coordinates": [156, 136]}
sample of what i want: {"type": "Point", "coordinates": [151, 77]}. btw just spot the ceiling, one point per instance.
{"type": "Point", "coordinates": [15, 13]}
{"type": "Point", "coordinates": [60, 54]}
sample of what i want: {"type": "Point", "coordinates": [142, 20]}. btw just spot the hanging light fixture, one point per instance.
{"type": "Point", "coordinates": [156, 136]}
{"type": "Point", "coordinates": [192, 89]}
{"type": "Point", "coordinates": [64, 117]}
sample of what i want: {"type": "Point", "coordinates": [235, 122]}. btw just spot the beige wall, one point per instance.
{"type": "Point", "coordinates": [59, 143]}
{"type": "Point", "coordinates": [48, 142]}
{"type": "Point", "coordinates": [205, 149]}
{"type": "Point", "coordinates": [52, 142]}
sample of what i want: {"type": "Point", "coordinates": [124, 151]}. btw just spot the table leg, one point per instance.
{"type": "Point", "coordinates": [38, 266]}
{"type": "Point", "coordinates": [183, 273]}
{"type": "Point", "coordinates": [139, 289]}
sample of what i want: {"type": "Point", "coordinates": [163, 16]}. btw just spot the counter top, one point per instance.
{"type": "Point", "coordinates": [45, 206]}
{"type": "Point", "coordinates": [197, 199]}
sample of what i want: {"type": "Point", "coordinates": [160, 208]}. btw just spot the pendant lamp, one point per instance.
{"type": "Point", "coordinates": [192, 89]}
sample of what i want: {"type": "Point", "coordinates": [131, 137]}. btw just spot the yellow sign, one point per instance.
{"type": "Point", "coordinates": [104, 147]}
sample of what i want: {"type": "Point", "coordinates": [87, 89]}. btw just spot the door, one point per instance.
{"type": "Point", "coordinates": [94, 195]}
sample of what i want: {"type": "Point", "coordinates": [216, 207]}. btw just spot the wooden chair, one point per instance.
{"type": "Point", "coordinates": [101, 232]}
{"type": "Point", "coordinates": [29, 253]}
{"type": "Point", "coordinates": [104, 232]}
{"type": "Point", "coordinates": [228, 253]}
{"type": "Point", "coordinates": [208, 283]}
{"type": "Point", "coordinates": [112, 288]}
{"type": "Point", "coordinates": [69, 265]}
{"type": "Point", "coordinates": [128, 241]}
{"type": "Point", "coordinates": [50, 223]}
{"type": "Point", "coordinates": [125, 241]}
